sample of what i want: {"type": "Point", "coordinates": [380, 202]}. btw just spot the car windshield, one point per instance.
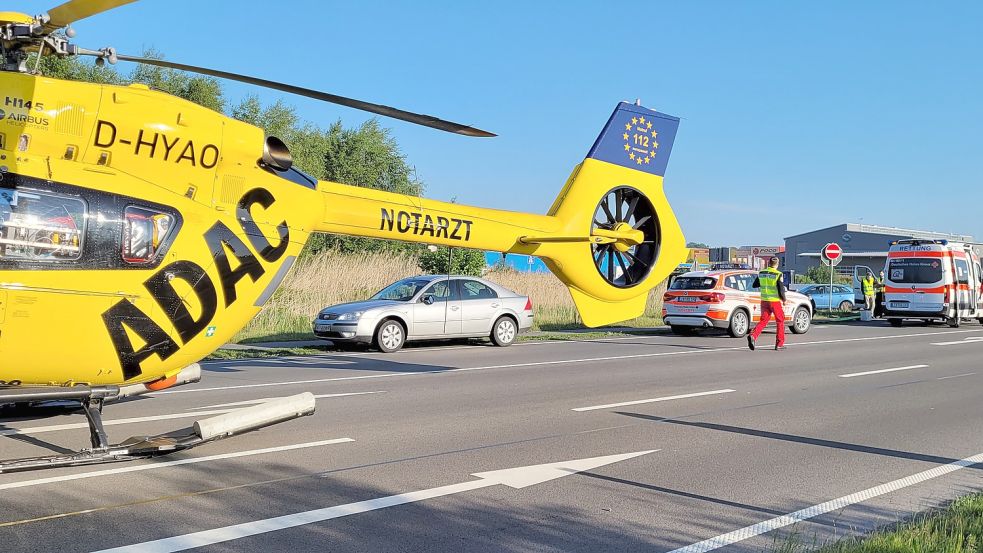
{"type": "Point", "coordinates": [693, 283]}
{"type": "Point", "coordinates": [404, 290]}
{"type": "Point", "coordinates": [915, 270]}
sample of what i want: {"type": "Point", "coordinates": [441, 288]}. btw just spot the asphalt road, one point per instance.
{"type": "Point", "coordinates": [702, 443]}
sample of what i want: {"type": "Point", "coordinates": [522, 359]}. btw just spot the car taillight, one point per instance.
{"type": "Point", "coordinates": [715, 297]}
{"type": "Point", "coordinates": [528, 306]}
{"type": "Point", "coordinates": [667, 297]}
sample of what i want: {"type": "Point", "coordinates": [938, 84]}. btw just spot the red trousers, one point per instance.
{"type": "Point", "coordinates": [769, 308]}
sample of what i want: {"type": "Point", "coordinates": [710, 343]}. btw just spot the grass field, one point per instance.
{"type": "Point", "coordinates": [330, 278]}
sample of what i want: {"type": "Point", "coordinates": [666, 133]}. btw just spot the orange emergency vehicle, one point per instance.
{"type": "Point", "coordinates": [932, 280]}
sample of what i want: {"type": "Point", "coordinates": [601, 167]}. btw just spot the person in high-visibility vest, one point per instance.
{"type": "Point", "coordinates": [879, 299]}
{"type": "Point", "coordinates": [772, 288]}
{"type": "Point", "coordinates": [869, 285]}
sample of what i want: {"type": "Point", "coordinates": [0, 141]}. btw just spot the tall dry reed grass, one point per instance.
{"type": "Point", "coordinates": [330, 278]}
{"type": "Point", "coordinates": [322, 280]}
{"type": "Point", "coordinates": [552, 302]}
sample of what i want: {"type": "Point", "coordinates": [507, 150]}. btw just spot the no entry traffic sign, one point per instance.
{"type": "Point", "coordinates": [832, 254]}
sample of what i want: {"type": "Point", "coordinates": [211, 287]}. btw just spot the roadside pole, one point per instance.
{"type": "Point", "coordinates": [831, 256]}
{"type": "Point", "coordinates": [830, 304]}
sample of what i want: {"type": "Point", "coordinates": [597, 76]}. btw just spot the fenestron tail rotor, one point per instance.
{"type": "Point", "coordinates": [625, 263]}
{"type": "Point", "coordinates": [417, 118]}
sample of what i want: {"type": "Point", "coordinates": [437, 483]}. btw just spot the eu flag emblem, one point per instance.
{"type": "Point", "coordinates": [637, 138]}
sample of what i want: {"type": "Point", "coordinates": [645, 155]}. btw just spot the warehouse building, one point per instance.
{"type": "Point", "coordinates": [865, 245]}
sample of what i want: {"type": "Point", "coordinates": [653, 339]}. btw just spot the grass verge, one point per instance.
{"type": "Point", "coordinates": [257, 353]}
{"type": "Point", "coordinates": [957, 528]}
{"type": "Point", "coordinates": [824, 316]}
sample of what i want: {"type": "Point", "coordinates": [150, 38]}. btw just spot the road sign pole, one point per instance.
{"type": "Point", "coordinates": [831, 256]}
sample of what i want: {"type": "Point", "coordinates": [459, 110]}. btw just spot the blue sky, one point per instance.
{"type": "Point", "coordinates": [795, 115]}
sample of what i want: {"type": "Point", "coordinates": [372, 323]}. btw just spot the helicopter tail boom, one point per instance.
{"type": "Point", "coordinates": [610, 236]}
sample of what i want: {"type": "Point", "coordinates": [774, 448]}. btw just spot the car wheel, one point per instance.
{"type": "Point", "coordinates": [846, 305]}
{"type": "Point", "coordinates": [801, 320]}
{"type": "Point", "coordinates": [740, 324]}
{"type": "Point", "coordinates": [504, 332]}
{"type": "Point", "coordinates": [896, 322]}
{"type": "Point", "coordinates": [682, 330]}
{"type": "Point", "coordinates": [390, 336]}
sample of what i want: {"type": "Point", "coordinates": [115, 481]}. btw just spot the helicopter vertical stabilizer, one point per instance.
{"type": "Point", "coordinates": [616, 195]}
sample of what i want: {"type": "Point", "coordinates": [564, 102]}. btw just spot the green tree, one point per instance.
{"type": "Point", "coordinates": [820, 274]}
{"type": "Point", "coordinates": [202, 90]}
{"type": "Point", "coordinates": [804, 279]}
{"type": "Point", "coordinates": [365, 156]}
{"type": "Point", "coordinates": [458, 261]}
{"type": "Point", "coordinates": [696, 245]}
{"type": "Point", "coordinates": [73, 68]}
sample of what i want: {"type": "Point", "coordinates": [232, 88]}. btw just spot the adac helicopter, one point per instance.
{"type": "Point", "coordinates": [161, 228]}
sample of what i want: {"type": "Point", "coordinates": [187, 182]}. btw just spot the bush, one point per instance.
{"type": "Point", "coordinates": [457, 261]}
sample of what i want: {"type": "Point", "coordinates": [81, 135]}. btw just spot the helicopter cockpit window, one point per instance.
{"type": "Point", "coordinates": [35, 226]}
{"type": "Point", "coordinates": [144, 232]}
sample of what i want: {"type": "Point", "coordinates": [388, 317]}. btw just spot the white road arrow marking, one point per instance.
{"type": "Point", "coordinates": [516, 478]}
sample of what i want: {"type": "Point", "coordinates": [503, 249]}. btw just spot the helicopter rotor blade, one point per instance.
{"type": "Point", "coordinates": [417, 118]}
{"type": "Point", "coordinates": [75, 10]}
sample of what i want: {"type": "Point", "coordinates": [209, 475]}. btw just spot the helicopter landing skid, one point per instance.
{"type": "Point", "coordinates": [216, 428]}
{"type": "Point", "coordinates": [132, 448]}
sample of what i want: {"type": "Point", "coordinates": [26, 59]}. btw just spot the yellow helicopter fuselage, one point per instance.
{"type": "Point", "coordinates": [140, 231]}
{"type": "Point", "coordinates": [94, 311]}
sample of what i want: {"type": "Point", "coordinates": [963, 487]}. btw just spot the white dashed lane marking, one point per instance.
{"type": "Point", "coordinates": [865, 373]}
{"type": "Point", "coordinates": [653, 400]}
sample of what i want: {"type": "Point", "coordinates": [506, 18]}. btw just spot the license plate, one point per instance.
{"type": "Point", "coordinates": [899, 304]}
{"type": "Point", "coordinates": [688, 299]}
{"type": "Point", "coordinates": [322, 328]}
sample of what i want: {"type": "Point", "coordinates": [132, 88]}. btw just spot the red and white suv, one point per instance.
{"type": "Point", "coordinates": [725, 299]}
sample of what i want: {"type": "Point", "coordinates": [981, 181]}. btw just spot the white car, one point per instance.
{"type": "Point", "coordinates": [727, 300]}
{"type": "Point", "coordinates": [428, 307]}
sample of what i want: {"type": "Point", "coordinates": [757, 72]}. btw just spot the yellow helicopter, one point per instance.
{"type": "Point", "coordinates": [160, 228]}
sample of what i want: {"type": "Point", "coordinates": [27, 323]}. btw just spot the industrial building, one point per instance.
{"type": "Point", "coordinates": [865, 245]}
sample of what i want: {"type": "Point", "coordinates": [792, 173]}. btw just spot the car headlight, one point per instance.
{"type": "Point", "coordinates": [353, 316]}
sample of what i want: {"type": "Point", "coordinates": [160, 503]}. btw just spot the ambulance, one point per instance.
{"type": "Point", "coordinates": [932, 280]}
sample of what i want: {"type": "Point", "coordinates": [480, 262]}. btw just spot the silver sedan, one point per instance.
{"type": "Point", "coordinates": [425, 308]}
